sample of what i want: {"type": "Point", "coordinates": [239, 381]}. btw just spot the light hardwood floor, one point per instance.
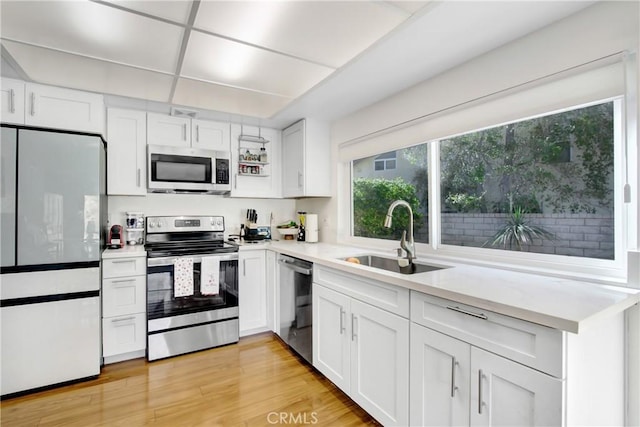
{"type": "Point", "coordinates": [257, 382]}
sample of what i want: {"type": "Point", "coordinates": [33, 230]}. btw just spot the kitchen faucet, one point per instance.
{"type": "Point", "coordinates": [409, 247]}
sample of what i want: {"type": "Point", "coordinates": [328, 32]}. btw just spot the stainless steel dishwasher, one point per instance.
{"type": "Point", "coordinates": [296, 277]}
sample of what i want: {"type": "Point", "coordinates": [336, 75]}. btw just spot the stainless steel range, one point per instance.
{"type": "Point", "coordinates": [192, 285]}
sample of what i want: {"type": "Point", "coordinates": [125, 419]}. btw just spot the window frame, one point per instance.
{"type": "Point", "coordinates": [599, 270]}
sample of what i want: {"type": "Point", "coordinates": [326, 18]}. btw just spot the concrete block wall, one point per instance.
{"type": "Point", "coordinates": [583, 235]}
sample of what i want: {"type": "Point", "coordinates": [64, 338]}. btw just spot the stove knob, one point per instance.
{"type": "Point", "coordinates": [150, 224]}
{"type": "Point", "coordinates": [219, 222]}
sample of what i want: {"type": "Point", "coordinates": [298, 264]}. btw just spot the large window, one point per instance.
{"type": "Point", "coordinates": [543, 185]}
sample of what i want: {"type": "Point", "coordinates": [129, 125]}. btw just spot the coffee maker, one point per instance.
{"type": "Point", "coordinates": [116, 237]}
{"type": "Point", "coordinates": [135, 228]}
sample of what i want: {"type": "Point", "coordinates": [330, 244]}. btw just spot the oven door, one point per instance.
{"type": "Point", "coordinates": [162, 301]}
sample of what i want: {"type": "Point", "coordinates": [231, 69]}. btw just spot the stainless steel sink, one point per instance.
{"type": "Point", "coordinates": [391, 264]}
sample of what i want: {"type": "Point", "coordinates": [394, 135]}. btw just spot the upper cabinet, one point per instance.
{"type": "Point", "coordinates": [163, 129]}
{"type": "Point", "coordinates": [177, 131]}
{"type": "Point", "coordinates": [306, 160]}
{"type": "Point", "coordinates": [210, 135]}
{"type": "Point", "coordinates": [12, 109]}
{"type": "Point", "coordinates": [255, 162]}
{"type": "Point", "coordinates": [127, 153]}
{"type": "Point", "coordinates": [52, 107]}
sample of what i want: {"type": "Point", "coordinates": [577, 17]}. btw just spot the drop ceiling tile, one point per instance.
{"type": "Point", "coordinates": [210, 96]}
{"type": "Point", "coordinates": [177, 11]}
{"type": "Point", "coordinates": [327, 32]}
{"type": "Point", "coordinates": [78, 72]}
{"type": "Point", "coordinates": [218, 60]}
{"type": "Point", "coordinates": [94, 30]}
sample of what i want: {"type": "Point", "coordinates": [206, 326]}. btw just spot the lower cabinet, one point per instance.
{"type": "Point", "coordinates": [454, 383]}
{"type": "Point", "coordinates": [252, 284]}
{"type": "Point", "coordinates": [364, 350]}
{"type": "Point", "coordinates": [124, 307]}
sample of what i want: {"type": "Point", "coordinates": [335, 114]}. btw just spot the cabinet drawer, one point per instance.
{"type": "Point", "coordinates": [533, 345]}
{"type": "Point", "coordinates": [123, 267]}
{"type": "Point", "coordinates": [124, 295]}
{"type": "Point", "coordinates": [124, 334]}
{"type": "Point", "coordinates": [381, 295]}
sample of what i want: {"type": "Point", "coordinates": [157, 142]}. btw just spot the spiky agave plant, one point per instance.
{"type": "Point", "coordinates": [518, 231]}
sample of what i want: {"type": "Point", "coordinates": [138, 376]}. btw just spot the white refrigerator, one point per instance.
{"type": "Point", "coordinates": [53, 207]}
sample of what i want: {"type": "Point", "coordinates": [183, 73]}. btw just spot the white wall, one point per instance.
{"type": "Point", "coordinates": [603, 29]}
{"type": "Point", "coordinates": [233, 210]}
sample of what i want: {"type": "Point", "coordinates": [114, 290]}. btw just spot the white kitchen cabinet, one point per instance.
{"type": "Point", "coordinates": [163, 129]}
{"type": "Point", "coordinates": [124, 310]}
{"type": "Point", "coordinates": [272, 279]}
{"type": "Point", "coordinates": [453, 383]}
{"type": "Point", "coordinates": [252, 300]}
{"type": "Point", "coordinates": [127, 153]}
{"type": "Point", "coordinates": [364, 350]}
{"type": "Point", "coordinates": [210, 135]}
{"type": "Point", "coordinates": [59, 108]}
{"type": "Point", "coordinates": [306, 160]}
{"type": "Point", "coordinates": [12, 103]}
{"type": "Point", "coordinates": [475, 367]}
{"type": "Point", "coordinates": [266, 182]}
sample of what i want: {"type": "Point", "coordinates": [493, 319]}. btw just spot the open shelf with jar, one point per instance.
{"type": "Point", "coordinates": [252, 156]}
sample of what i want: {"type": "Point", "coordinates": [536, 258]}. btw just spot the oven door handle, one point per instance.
{"type": "Point", "coordinates": [165, 261]}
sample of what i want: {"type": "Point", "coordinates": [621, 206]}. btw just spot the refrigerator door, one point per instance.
{"type": "Point", "coordinates": [8, 196]}
{"type": "Point", "coordinates": [58, 198]}
{"type": "Point", "coordinates": [49, 343]}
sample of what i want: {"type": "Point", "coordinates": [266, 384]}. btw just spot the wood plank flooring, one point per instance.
{"type": "Point", "coordinates": [257, 382]}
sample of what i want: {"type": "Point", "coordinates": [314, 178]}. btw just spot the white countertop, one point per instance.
{"type": "Point", "coordinates": [126, 252]}
{"type": "Point", "coordinates": [564, 304]}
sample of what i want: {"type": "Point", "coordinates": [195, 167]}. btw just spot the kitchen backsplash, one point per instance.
{"type": "Point", "coordinates": [233, 210]}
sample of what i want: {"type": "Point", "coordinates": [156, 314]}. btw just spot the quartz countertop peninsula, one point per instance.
{"type": "Point", "coordinates": [565, 304]}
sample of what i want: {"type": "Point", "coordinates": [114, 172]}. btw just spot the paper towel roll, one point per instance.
{"type": "Point", "coordinates": [311, 228]}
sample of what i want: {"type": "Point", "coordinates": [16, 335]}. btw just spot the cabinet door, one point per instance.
{"type": "Point", "coordinates": [293, 164]}
{"type": "Point", "coordinates": [168, 130]}
{"type": "Point", "coordinates": [439, 373]}
{"type": "Point", "coordinates": [124, 334]}
{"type": "Point", "coordinates": [331, 335]}
{"type": "Point", "coordinates": [272, 277]}
{"type": "Point", "coordinates": [127, 154]}
{"type": "Point", "coordinates": [12, 108]}
{"type": "Point", "coordinates": [59, 108]}
{"type": "Point", "coordinates": [126, 295]}
{"type": "Point", "coordinates": [210, 135]}
{"type": "Point", "coordinates": [253, 292]}
{"type": "Point", "coordinates": [380, 363]}
{"type": "Point", "coordinates": [505, 393]}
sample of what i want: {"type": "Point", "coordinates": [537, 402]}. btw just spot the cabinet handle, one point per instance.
{"type": "Point", "coordinates": [299, 179]}
{"type": "Point", "coordinates": [197, 133]}
{"type": "Point", "coordinates": [33, 104]}
{"type": "Point", "coordinates": [480, 377]}
{"type": "Point", "coordinates": [122, 261]}
{"type": "Point", "coordinates": [12, 101]}
{"type": "Point", "coordinates": [244, 267]}
{"type": "Point", "coordinates": [184, 131]}
{"type": "Point", "coordinates": [353, 327]}
{"type": "Point", "coordinates": [138, 178]}
{"type": "Point", "coordinates": [454, 363]}
{"type": "Point", "coordinates": [342, 313]}
{"type": "Point", "coordinates": [468, 313]}
{"type": "Point", "coordinates": [123, 319]}
{"type": "Point", "coordinates": [123, 281]}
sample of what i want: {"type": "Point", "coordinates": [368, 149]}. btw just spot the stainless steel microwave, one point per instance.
{"type": "Point", "coordinates": [187, 170]}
